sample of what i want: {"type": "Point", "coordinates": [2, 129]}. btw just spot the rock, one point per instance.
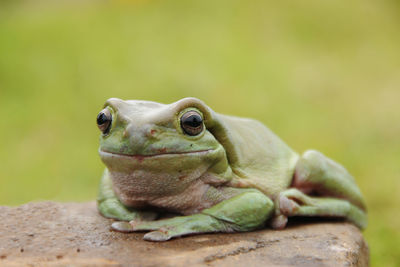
{"type": "Point", "coordinates": [65, 234]}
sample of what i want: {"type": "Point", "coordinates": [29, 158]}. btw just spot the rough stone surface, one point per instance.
{"type": "Point", "coordinates": [73, 234]}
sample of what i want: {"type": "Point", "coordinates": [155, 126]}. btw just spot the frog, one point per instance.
{"type": "Point", "coordinates": [210, 173]}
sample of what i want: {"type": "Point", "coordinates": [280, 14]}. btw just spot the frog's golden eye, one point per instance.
{"type": "Point", "coordinates": [104, 120]}
{"type": "Point", "coordinates": [192, 123]}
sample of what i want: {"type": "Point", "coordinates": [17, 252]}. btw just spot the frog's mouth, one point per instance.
{"type": "Point", "coordinates": [163, 163]}
{"type": "Point", "coordinates": [104, 153]}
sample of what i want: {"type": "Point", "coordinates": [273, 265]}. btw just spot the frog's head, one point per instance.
{"type": "Point", "coordinates": [158, 148]}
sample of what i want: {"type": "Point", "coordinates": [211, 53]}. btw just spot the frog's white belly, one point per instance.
{"type": "Point", "coordinates": [141, 189]}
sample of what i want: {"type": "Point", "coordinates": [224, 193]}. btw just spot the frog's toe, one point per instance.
{"type": "Point", "coordinates": [288, 206]}
{"type": "Point", "coordinates": [123, 227]}
{"type": "Point", "coordinates": [157, 236]}
{"type": "Point", "coordinates": [279, 222]}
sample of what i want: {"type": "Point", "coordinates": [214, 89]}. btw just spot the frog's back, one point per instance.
{"type": "Point", "coordinates": [258, 158]}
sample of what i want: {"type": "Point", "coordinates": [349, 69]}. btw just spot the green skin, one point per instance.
{"type": "Point", "coordinates": [234, 176]}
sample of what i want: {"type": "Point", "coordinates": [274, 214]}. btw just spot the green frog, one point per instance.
{"type": "Point", "coordinates": [216, 173]}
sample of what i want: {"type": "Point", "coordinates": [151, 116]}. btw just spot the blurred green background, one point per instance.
{"type": "Point", "coordinates": [320, 74]}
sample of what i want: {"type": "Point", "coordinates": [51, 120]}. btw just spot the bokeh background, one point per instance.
{"type": "Point", "coordinates": [320, 74]}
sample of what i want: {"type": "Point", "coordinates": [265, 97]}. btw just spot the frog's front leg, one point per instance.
{"type": "Point", "coordinates": [244, 212]}
{"type": "Point", "coordinates": [110, 207]}
{"type": "Point", "coordinates": [333, 192]}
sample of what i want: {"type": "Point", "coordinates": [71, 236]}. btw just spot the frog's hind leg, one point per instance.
{"type": "Point", "coordinates": [322, 187]}
{"type": "Point", "coordinates": [293, 202]}
{"type": "Point", "coordinates": [319, 175]}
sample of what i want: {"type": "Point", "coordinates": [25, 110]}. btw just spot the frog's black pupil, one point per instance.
{"type": "Point", "coordinates": [102, 118]}
{"type": "Point", "coordinates": [193, 121]}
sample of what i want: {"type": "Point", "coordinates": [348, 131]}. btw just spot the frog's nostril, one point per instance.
{"type": "Point", "coordinates": [129, 131]}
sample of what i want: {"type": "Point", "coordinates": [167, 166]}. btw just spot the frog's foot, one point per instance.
{"type": "Point", "coordinates": [166, 229]}
{"type": "Point", "coordinates": [293, 202]}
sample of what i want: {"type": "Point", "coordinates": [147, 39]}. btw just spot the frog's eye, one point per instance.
{"type": "Point", "coordinates": [192, 123]}
{"type": "Point", "coordinates": [104, 120]}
